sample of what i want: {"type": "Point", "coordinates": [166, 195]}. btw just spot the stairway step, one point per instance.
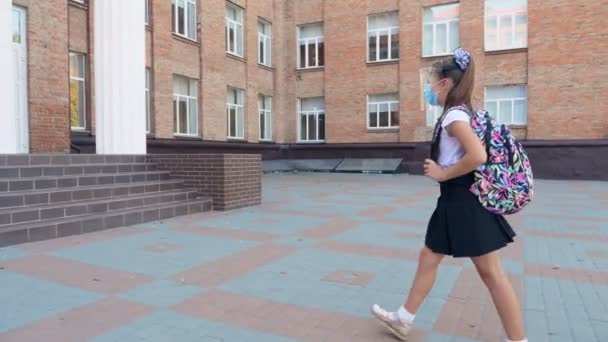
{"type": "Point", "coordinates": [63, 182]}
{"type": "Point", "coordinates": [49, 229]}
{"type": "Point", "coordinates": [71, 209]}
{"type": "Point", "coordinates": [66, 159]}
{"type": "Point", "coordinates": [29, 171]}
{"type": "Point", "coordinates": [53, 196]}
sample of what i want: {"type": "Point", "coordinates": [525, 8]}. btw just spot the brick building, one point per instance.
{"type": "Point", "coordinates": [306, 75]}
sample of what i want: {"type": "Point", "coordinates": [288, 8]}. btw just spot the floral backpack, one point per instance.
{"type": "Point", "coordinates": [504, 184]}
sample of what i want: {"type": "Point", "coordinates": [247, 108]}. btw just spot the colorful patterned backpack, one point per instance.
{"type": "Point", "coordinates": [504, 184]}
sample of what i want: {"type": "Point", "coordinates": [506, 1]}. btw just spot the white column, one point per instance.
{"type": "Point", "coordinates": [8, 129]}
{"type": "Point", "coordinates": [120, 125]}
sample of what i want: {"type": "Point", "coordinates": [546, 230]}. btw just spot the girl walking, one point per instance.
{"type": "Point", "coordinates": [459, 226]}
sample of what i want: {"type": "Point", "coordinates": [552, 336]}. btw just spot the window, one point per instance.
{"type": "Point", "coordinates": [311, 123]}
{"type": "Point", "coordinates": [440, 30]}
{"type": "Point", "coordinates": [78, 112]}
{"type": "Point", "coordinates": [147, 12]}
{"type": "Point", "coordinates": [264, 43]}
{"type": "Point", "coordinates": [234, 30]}
{"type": "Point", "coordinates": [432, 114]}
{"type": "Point", "coordinates": [311, 46]}
{"type": "Point", "coordinates": [234, 112]}
{"type": "Point", "coordinates": [265, 109]}
{"type": "Point", "coordinates": [383, 111]}
{"type": "Point", "coordinates": [184, 18]}
{"type": "Point", "coordinates": [80, 1]}
{"type": "Point", "coordinates": [185, 106]}
{"type": "Point", "coordinates": [506, 24]}
{"type": "Point", "coordinates": [148, 104]}
{"type": "Point", "coordinates": [383, 37]}
{"type": "Point", "coordinates": [507, 104]}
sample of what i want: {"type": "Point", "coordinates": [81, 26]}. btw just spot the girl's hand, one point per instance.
{"type": "Point", "coordinates": [434, 171]}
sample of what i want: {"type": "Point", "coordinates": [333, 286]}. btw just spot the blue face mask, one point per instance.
{"type": "Point", "coordinates": [430, 96]}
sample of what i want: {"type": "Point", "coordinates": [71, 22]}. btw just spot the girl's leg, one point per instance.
{"type": "Point", "coordinates": [490, 270]}
{"type": "Point", "coordinates": [428, 262]}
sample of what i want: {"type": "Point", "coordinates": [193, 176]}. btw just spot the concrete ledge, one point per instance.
{"type": "Point", "coordinates": [376, 164]}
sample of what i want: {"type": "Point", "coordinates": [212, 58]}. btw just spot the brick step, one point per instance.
{"type": "Point", "coordinates": [10, 160]}
{"type": "Point", "coordinates": [30, 232]}
{"type": "Point", "coordinates": [71, 209]}
{"type": "Point", "coordinates": [62, 182]}
{"type": "Point", "coordinates": [53, 196]}
{"type": "Point", "coordinates": [29, 171]}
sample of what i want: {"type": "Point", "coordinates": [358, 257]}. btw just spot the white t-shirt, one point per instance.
{"type": "Point", "coordinates": [450, 149]}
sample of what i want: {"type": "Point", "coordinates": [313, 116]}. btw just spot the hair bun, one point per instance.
{"type": "Point", "coordinates": [463, 58]}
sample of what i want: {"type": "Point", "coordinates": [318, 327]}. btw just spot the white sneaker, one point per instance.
{"type": "Point", "coordinates": [399, 329]}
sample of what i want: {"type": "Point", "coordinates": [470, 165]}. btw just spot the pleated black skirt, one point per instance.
{"type": "Point", "coordinates": [461, 227]}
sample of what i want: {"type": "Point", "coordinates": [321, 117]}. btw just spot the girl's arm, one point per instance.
{"type": "Point", "coordinates": [474, 154]}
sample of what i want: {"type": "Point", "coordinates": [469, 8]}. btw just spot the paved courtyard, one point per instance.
{"type": "Point", "coordinates": [305, 266]}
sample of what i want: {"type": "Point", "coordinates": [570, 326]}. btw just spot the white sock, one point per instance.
{"type": "Point", "coordinates": [405, 316]}
{"type": "Point", "coordinates": [524, 340]}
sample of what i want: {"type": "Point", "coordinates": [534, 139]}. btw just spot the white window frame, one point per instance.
{"type": "Point", "coordinates": [147, 12]}
{"type": "Point", "coordinates": [186, 15]}
{"type": "Point", "coordinates": [148, 99]}
{"type": "Point", "coordinates": [378, 33]}
{"type": "Point", "coordinates": [378, 104]}
{"type": "Point", "coordinates": [240, 115]}
{"type": "Point", "coordinates": [83, 83]}
{"type": "Point", "coordinates": [316, 112]}
{"type": "Point", "coordinates": [435, 112]}
{"type": "Point", "coordinates": [513, 15]}
{"type": "Point", "coordinates": [265, 41]}
{"type": "Point", "coordinates": [187, 98]}
{"type": "Point", "coordinates": [507, 99]}
{"type": "Point", "coordinates": [237, 27]}
{"type": "Point", "coordinates": [434, 24]}
{"type": "Point", "coordinates": [267, 114]}
{"type": "Point", "coordinates": [306, 42]}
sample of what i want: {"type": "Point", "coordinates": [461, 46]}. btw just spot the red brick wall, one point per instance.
{"type": "Point", "coordinates": [563, 67]}
{"type": "Point", "coordinates": [232, 180]}
{"type": "Point", "coordinates": [48, 75]}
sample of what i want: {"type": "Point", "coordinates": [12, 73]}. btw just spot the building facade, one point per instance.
{"type": "Point", "coordinates": [294, 71]}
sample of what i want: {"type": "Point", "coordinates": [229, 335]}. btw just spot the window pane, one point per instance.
{"type": "Point", "coordinates": [183, 116]}
{"type": "Point", "coordinates": [506, 32]}
{"type": "Point", "coordinates": [232, 117]}
{"type": "Point", "coordinates": [427, 44]}
{"type": "Point", "coordinates": [231, 38]}
{"type": "Point", "coordinates": [384, 112]}
{"type": "Point", "coordinates": [181, 17]}
{"type": "Point", "coordinates": [321, 126]}
{"type": "Point", "coordinates": [383, 46]}
{"type": "Point", "coordinates": [173, 22]}
{"type": "Point", "coordinates": [311, 31]}
{"type": "Point", "coordinates": [373, 112]}
{"type": "Point", "coordinates": [193, 116]}
{"type": "Point", "coordinates": [192, 90]}
{"type": "Point", "coordinates": [395, 43]}
{"type": "Point", "coordinates": [313, 103]}
{"type": "Point", "coordinates": [312, 54]}
{"type": "Point", "coordinates": [231, 13]}
{"type": "Point", "coordinates": [441, 36]}
{"type": "Point", "coordinates": [394, 114]}
{"type": "Point", "coordinates": [302, 55]}
{"type": "Point", "coordinates": [520, 112]}
{"type": "Point", "coordinates": [191, 20]}
{"type": "Point", "coordinates": [74, 104]}
{"type": "Point", "coordinates": [372, 46]}
{"type": "Point", "coordinates": [491, 34]}
{"type": "Point", "coordinates": [504, 112]}
{"type": "Point", "coordinates": [268, 48]}
{"type": "Point", "coordinates": [239, 40]}
{"type": "Point", "coordinates": [180, 85]}
{"type": "Point", "coordinates": [383, 97]}
{"type": "Point", "coordinates": [321, 53]}
{"type": "Point", "coordinates": [454, 38]}
{"type": "Point", "coordinates": [303, 127]}
{"type": "Point", "coordinates": [262, 126]}
{"type": "Point", "coordinates": [261, 50]}
{"type": "Point", "coordinates": [16, 27]}
{"type": "Point", "coordinates": [312, 127]}
{"type": "Point", "coordinates": [521, 31]}
{"type": "Point", "coordinates": [239, 122]}
{"type": "Point", "coordinates": [492, 109]}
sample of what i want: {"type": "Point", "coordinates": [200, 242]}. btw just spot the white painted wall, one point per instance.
{"type": "Point", "coordinates": [8, 137]}
{"type": "Point", "coordinates": [120, 122]}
